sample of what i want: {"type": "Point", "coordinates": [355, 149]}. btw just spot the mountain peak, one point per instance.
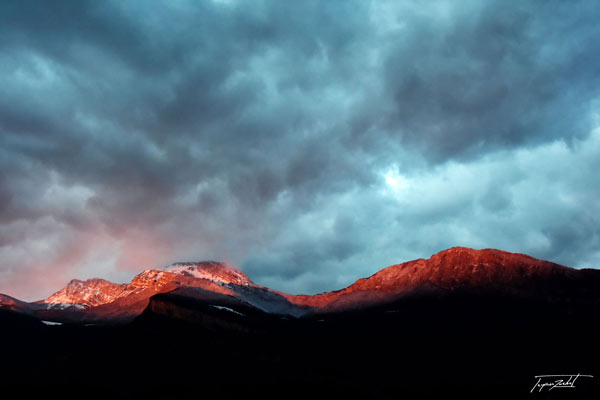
{"type": "Point", "coordinates": [477, 253]}
{"type": "Point", "coordinates": [91, 292]}
{"type": "Point", "coordinates": [463, 266]}
{"type": "Point", "coordinates": [467, 258]}
{"type": "Point", "coordinates": [211, 270]}
{"type": "Point", "coordinates": [448, 270]}
{"type": "Point", "coordinates": [95, 291]}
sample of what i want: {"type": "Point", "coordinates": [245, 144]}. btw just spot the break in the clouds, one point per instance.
{"type": "Point", "coordinates": [310, 143]}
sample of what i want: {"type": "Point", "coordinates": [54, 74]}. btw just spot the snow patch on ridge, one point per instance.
{"type": "Point", "coordinates": [227, 309]}
{"type": "Point", "coordinates": [51, 323]}
{"type": "Point", "coordinates": [58, 305]}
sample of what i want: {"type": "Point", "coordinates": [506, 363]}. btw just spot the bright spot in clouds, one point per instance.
{"type": "Point", "coordinates": [394, 180]}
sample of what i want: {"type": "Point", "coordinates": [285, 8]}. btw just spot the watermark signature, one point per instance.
{"type": "Point", "coordinates": [551, 382]}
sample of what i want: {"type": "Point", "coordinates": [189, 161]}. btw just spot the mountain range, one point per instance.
{"type": "Point", "coordinates": [507, 316]}
{"type": "Point", "coordinates": [458, 268]}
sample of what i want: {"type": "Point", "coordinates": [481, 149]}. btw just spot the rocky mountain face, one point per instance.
{"type": "Point", "coordinates": [96, 292]}
{"type": "Point", "coordinates": [458, 268]}
{"type": "Point", "coordinates": [455, 269]}
{"type": "Point", "coordinates": [98, 300]}
{"type": "Point", "coordinates": [90, 293]}
{"type": "Point", "coordinates": [10, 303]}
{"type": "Point", "coordinates": [213, 271]}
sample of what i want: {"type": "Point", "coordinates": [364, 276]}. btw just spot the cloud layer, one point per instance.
{"type": "Point", "coordinates": [310, 143]}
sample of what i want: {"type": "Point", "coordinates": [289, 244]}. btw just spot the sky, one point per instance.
{"type": "Point", "coordinates": [309, 143]}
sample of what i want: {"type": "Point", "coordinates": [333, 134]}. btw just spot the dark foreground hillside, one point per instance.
{"type": "Point", "coordinates": [431, 345]}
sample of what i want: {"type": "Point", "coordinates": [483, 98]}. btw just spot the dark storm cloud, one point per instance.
{"type": "Point", "coordinates": [288, 137]}
{"type": "Point", "coordinates": [493, 76]}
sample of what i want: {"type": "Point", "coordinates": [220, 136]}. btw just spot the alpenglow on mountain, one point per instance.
{"type": "Point", "coordinates": [220, 285]}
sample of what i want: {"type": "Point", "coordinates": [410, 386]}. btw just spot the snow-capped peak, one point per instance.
{"type": "Point", "coordinates": [95, 292]}
{"type": "Point", "coordinates": [211, 270]}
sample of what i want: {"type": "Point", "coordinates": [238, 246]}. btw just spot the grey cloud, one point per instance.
{"type": "Point", "coordinates": [259, 132]}
{"type": "Point", "coordinates": [493, 76]}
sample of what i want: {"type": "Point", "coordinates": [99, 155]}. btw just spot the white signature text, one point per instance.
{"type": "Point", "coordinates": [551, 382]}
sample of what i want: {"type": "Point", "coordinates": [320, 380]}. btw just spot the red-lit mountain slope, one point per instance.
{"type": "Point", "coordinates": [97, 300]}
{"type": "Point", "coordinates": [458, 268]}
{"type": "Point", "coordinates": [455, 269]}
